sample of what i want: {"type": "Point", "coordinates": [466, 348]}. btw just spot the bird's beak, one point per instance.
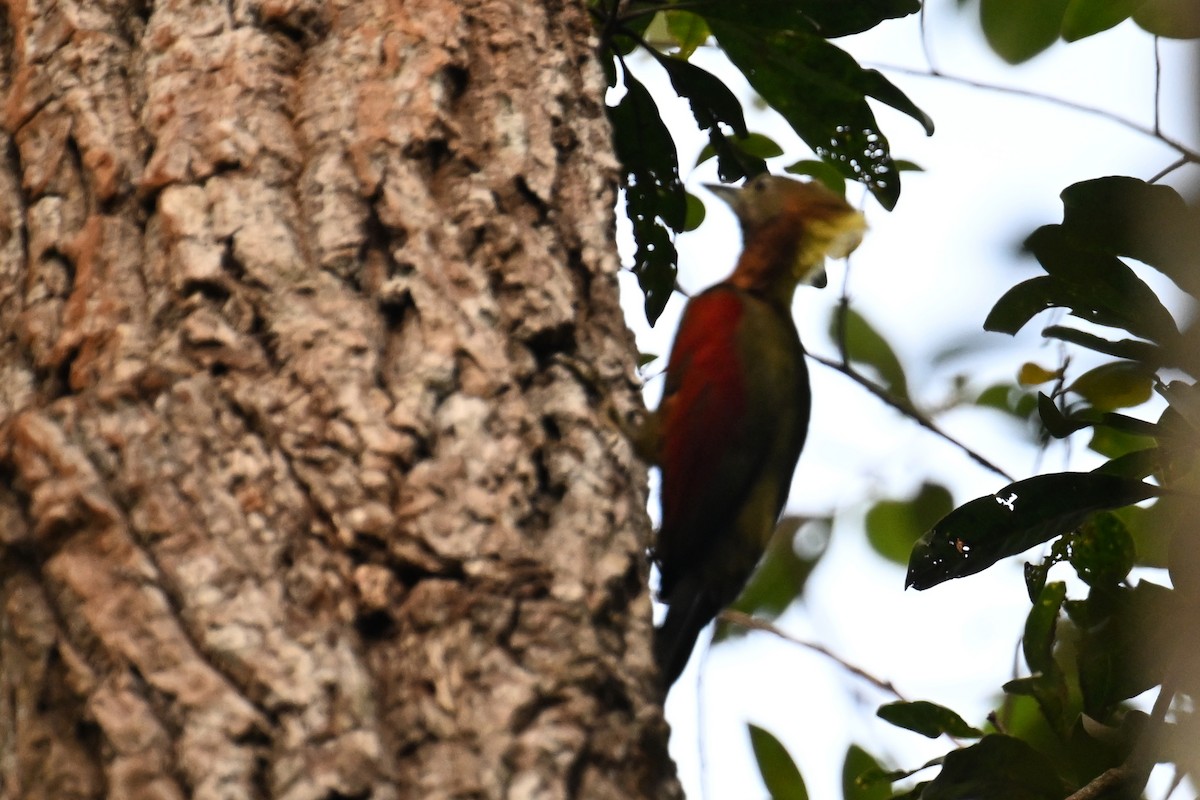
{"type": "Point", "coordinates": [727, 193]}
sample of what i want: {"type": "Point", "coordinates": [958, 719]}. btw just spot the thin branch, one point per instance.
{"type": "Point", "coordinates": [1165, 171]}
{"type": "Point", "coordinates": [1157, 89]}
{"type": "Point", "coordinates": [1188, 153]}
{"type": "Point", "coordinates": [750, 623]}
{"type": "Point", "coordinates": [907, 410]}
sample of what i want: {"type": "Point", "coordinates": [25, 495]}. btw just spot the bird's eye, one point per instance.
{"type": "Point", "coordinates": [759, 184]}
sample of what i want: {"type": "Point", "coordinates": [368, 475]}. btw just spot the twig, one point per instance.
{"type": "Point", "coordinates": [907, 410]}
{"type": "Point", "coordinates": [750, 623]}
{"type": "Point", "coordinates": [1188, 154]}
{"type": "Point", "coordinates": [1164, 172]}
{"type": "Point", "coordinates": [1157, 89]}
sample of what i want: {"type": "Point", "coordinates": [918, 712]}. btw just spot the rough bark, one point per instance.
{"type": "Point", "coordinates": [307, 319]}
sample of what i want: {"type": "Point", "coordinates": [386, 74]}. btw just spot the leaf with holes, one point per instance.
{"type": "Point", "coordinates": [1021, 515]}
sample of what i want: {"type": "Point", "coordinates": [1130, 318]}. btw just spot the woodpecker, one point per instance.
{"type": "Point", "coordinates": [735, 407]}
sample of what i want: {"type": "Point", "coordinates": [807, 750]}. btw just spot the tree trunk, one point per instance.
{"type": "Point", "coordinates": [308, 316]}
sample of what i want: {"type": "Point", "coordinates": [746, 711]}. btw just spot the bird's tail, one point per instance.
{"type": "Point", "coordinates": [687, 615]}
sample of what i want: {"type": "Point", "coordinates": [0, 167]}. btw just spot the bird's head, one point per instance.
{"type": "Point", "coordinates": [792, 225]}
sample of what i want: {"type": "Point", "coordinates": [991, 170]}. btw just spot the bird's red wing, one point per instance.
{"type": "Point", "coordinates": [710, 451]}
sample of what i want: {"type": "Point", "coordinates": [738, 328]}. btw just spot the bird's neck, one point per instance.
{"type": "Point", "coordinates": [767, 266]}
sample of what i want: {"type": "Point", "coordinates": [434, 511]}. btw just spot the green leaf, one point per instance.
{"type": "Point", "coordinates": [1040, 625]}
{"type": "Point", "coordinates": [1049, 689]}
{"type": "Point", "coordinates": [1085, 18]}
{"type": "Point", "coordinates": [822, 171]}
{"type": "Point", "coordinates": [654, 196]}
{"type": "Point", "coordinates": [1009, 399]}
{"type": "Point", "coordinates": [1114, 443]}
{"type": "Point", "coordinates": [821, 91]}
{"type": "Point", "coordinates": [864, 345]}
{"type": "Point", "coordinates": [695, 213]}
{"type": "Point", "coordinates": [645, 359]}
{"type": "Point", "coordinates": [779, 772]}
{"type": "Point", "coordinates": [862, 777]}
{"type": "Point", "coordinates": [1175, 19]}
{"type": "Point", "coordinates": [688, 30]}
{"type": "Point", "coordinates": [1021, 515]}
{"type": "Point", "coordinates": [1018, 30]}
{"type": "Point", "coordinates": [997, 767]}
{"type": "Point", "coordinates": [894, 526]}
{"type": "Point", "coordinates": [1102, 553]}
{"type": "Point", "coordinates": [927, 719]}
{"type": "Point", "coordinates": [1136, 464]}
{"type": "Point", "coordinates": [1120, 384]}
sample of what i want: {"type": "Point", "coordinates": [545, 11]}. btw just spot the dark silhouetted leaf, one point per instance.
{"type": "Point", "coordinates": [894, 526]}
{"type": "Point", "coordinates": [1102, 288]}
{"type": "Point", "coordinates": [1125, 216]}
{"type": "Point", "coordinates": [654, 195]}
{"type": "Point", "coordinates": [915, 793]}
{"type": "Point", "coordinates": [1142, 352]}
{"type": "Point", "coordinates": [1119, 628]}
{"type": "Point", "coordinates": [927, 719]}
{"type": "Point", "coordinates": [1185, 400]}
{"type": "Point", "coordinates": [997, 767]}
{"type": "Point", "coordinates": [1057, 424]}
{"type": "Point", "coordinates": [716, 108]}
{"type": "Point", "coordinates": [779, 772]}
{"type": "Point", "coordinates": [1022, 302]}
{"type": "Point", "coordinates": [829, 18]}
{"type": "Point", "coordinates": [821, 91]}
{"type": "Point", "coordinates": [1020, 29]}
{"type": "Point", "coordinates": [1021, 515]}
{"type": "Point", "coordinates": [862, 777]}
